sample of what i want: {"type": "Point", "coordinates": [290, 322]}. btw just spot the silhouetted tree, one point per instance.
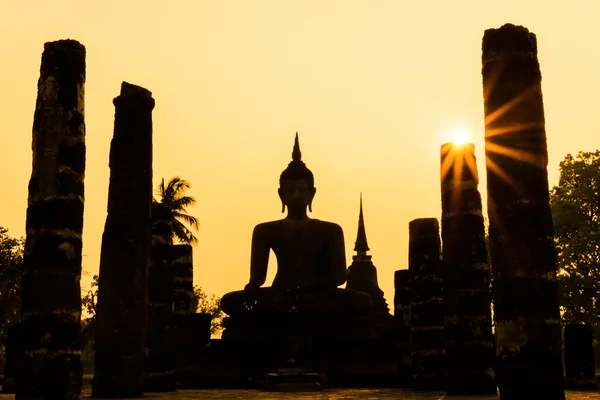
{"type": "Point", "coordinates": [172, 195]}
{"type": "Point", "coordinates": [89, 302]}
{"type": "Point", "coordinates": [575, 205]}
{"type": "Point", "coordinates": [202, 303]}
{"type": "Point", "coordinates": [11, 264]}
{"type": "Point", "coordinates": [88, 325]}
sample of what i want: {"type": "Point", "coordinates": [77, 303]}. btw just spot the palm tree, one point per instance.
{"type": "Point", "coordinates": [172, 195]}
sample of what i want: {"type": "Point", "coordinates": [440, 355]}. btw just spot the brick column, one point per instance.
{"type": "Point", "coordinates": [123, 279]}
{"type": "Point", "coordinates": [51, 324]}
{"type": "Point", "coordinates": [526, 306]}
{"type": "Point", "coordinates": [467, 297]}
{"type": "Point", "coordinates": [426, 305]}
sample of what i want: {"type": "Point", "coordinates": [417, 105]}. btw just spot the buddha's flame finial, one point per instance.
{"type": "Point", "coordinates": [296, 154]}
{"type": "Point", "coordinates": [361, 246]}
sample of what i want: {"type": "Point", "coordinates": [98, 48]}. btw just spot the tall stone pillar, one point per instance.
{"type": "Point", "coordinates": [402, 323]}
{"type": "Point", "coordinates": [123, 279]}
{"type": "Point", "coordinates": [426, 305]}
{"type": "Point", "coordinates": [183, 278]}
{"type": "Point", "coordinates": [467, 298]}
{"type": "Point", "coordinates": [526, 307]}
{"type": "Point", "coordinates": [51, 308]}
{"type": "Point", "coordinates": [159, 365]}
{"type": "Point", "coordinates": [580, 368]}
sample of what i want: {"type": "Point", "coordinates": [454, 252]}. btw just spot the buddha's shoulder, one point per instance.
{"type": "Point", "coordinates": [280, 224]}
{"type": "Point", "coordinates": [267, 226]}
{"type": "Point", "coordinates": [327, 226]}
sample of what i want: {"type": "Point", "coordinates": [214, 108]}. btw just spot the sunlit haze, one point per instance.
{"type": "Point", "coordinates": [373, 89]}
{"type": "Point", "coordinates": [460, 138]}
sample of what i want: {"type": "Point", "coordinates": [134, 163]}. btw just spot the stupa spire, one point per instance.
{"type": "Point", "coordinates": [361, 246]}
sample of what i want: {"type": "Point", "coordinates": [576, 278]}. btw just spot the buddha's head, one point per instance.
{"type": "Point", "coordinates": [296, 183]}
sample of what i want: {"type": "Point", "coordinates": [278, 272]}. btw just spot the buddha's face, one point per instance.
{"type": "Point", "coordinates": [296, 194]}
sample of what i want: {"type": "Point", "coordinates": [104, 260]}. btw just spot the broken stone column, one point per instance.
{"type": "Point", "coordinates": [402, 323]}
{"type": "Point", "coordinates": [51, 309]}
{"type": "Point", "coordinates": [183, 293]}
{"type": "Point", "coordinates": [160, 335]}
{"type": "Point", "coordinates": [467, 297]}
{"type": "Point", "coordinates": [183, 278]}
{"type": "Point", "coordinates": [580, 368]}
{"type": "Point", "coordinates": [123, 279]}
{"type": "Point", "coordinates": [426, 305]}
{"type": "Point", "coordinates": [526, 306]}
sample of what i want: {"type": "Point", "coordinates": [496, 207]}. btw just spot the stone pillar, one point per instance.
{"type": "Point", "coordinates": [526, 306]}
{"type": "Point", "coordinates": [426, 305]}
{"type": "Point", "coordinates": [402, 322]}
{"type": "Point", "coordinates": [159, 365]}
{"type": "Point", "coordinates": [12, 357]}
{"type": "Point", "coordinates": [183, 278]}
{"type": "Point", "coordinates": [467, 298]}
{"type": "Point", "coordinates": [51, 324]}
{"type": "Point", "coordinates": [580, 368]}
{"type": "Point", "coordinates": [123, 279]}
{"type": "Point", "coordinates": [183, 293]}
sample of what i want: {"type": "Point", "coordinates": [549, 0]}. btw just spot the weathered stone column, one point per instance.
{"type": "Point", "coordinates": [13, 355]}
{"type": "Point", "coordinates": [467, 298]}
{"type": "Point", "coordinates": [159, 365]}
{"type": "Point", "coordinates": [183, 278]}
{"type": "Point", "coordinates": [51, 325]}
{"type": "Point", "coordinates": [580, 367]}
{"type": "Point", "coordinates": [123, 279]}
{"type": "Point", "coordinates": [402, 322]}
{"type": "Point", "coordinates": [183, 293]}
{"type": "Point", "coordinates": [526, 307]}
{"type": "Point", "coordinates": [426, 305]}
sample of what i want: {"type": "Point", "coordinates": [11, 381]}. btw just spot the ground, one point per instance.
{"type": "Point", "coordinates": [345, 394]}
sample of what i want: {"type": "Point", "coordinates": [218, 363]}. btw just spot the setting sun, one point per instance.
{"type": "Point", "coordinates": [460, 138]}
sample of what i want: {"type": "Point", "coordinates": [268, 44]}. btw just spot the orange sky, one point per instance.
{"type": "Point", "coordinates": [373, 87]}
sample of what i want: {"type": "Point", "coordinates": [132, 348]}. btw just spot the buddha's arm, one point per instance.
{"type": "Point", "coordinates": [259, 257]}
{"type": "Point", "coordinates": [339, 272]}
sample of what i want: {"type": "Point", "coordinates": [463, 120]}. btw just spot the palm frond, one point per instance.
{"type": "Point", "coordinates": [183, 234]}
{"type": "Point", "coordinates": [182, 202]}
{"type": "Point", "coordinates": [190, 220]}
{"type": "Point", "coordinates": [172, 195]}
{"type": "Point", "coordinates": [161, 190]}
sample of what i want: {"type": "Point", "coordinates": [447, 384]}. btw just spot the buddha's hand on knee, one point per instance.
{"type": "Point", "coordinates": [250, 295]}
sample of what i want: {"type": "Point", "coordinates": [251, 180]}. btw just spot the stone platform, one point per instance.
{"type": "Point", "coordinates": [227, 364]}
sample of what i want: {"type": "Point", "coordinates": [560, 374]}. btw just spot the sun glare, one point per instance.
{"type": "Point", "coordinates": [460, 138]}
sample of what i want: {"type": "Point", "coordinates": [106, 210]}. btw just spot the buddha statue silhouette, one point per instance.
{"type": "Point", "coordinates": [311, 261]}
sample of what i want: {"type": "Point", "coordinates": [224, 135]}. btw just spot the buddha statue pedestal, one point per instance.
{"type": "Point", "coordinates": [334, 313]}
{"type": "Point", "coordinates": [294, 375]}
{"type": "Point", "coordinates": [319, 326]}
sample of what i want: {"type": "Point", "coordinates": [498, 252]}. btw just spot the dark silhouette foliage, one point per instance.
{"type": "Point", "coordinates": [11, 270]}
{"type": "Point", "coordinates": [575, 205]}
{"type": "Point", "coordinates": [202, 303]}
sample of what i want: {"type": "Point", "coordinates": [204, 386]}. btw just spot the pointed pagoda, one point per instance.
{"type": "Point", "coordinates": [360, 246]}
{"type": "Point", "coordinates": [362, 274]}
